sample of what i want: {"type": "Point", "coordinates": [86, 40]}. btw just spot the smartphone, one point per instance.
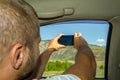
{"type": "Point", "coordinates": [66, 40]}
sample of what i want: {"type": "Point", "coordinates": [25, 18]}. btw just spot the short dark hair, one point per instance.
{"type": "Point", "coordinates": [16, 26]}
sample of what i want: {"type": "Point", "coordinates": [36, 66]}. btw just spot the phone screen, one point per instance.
{"type": "Point", "coordinates": [67, 40]}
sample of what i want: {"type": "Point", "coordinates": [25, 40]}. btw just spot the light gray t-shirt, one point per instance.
{"type": "Point", "coordinates": [62, 77]}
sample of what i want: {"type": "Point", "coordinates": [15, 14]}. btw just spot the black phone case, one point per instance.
{"type": "Point", "coordinates": [67, 40]}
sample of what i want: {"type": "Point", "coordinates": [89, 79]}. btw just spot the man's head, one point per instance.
{"type": "Point", "coordinates": [19, 38]}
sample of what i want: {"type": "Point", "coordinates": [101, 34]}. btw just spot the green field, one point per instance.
{"type": "Point", "coordinates": [58, 67]}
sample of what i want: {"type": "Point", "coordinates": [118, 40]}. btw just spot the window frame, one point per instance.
{"type": "Point", "coordinates": [107, 45]}
{"type": "Point", "coordinates": [107, 50]}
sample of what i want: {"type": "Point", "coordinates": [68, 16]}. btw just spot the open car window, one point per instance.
{"type": "Point", "coordinates": [95, 33]}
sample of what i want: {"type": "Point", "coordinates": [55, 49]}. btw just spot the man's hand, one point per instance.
{"type": "Point", "coordinates": [54, 43]}
{"type": "Point", "coordinates": [79, 41]}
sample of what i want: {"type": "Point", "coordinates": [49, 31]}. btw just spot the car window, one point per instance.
{"type": "Point", "coordinates": [95, 33]}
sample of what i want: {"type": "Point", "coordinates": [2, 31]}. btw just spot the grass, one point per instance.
{"type": "Point", "coordinates": [51, 73]}
{"type": "Point", "coordinates": [99, 71]}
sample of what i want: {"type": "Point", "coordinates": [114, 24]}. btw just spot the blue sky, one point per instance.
{"type": "Point", "coordinates": [95, 32]}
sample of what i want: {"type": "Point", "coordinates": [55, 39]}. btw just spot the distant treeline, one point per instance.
{"type": "Point", "coordinates": [57, 65]}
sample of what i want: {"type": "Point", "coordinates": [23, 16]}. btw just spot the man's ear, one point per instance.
{"type": "Point", "coordinates": [16, 56]}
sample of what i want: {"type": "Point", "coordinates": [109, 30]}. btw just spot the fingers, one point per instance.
{"type": "Point", "coordinates": [77, 40]}
{"type": "Point", "coordinates": [58, 37]}
{"type": "Point", "coordinates": [77, 35]}
{"type": "Point", "coordinates": [54, 43]}
{"type": "Point", "coordinates": [60, 46]}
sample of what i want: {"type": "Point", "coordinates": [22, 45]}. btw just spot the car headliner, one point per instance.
{"type": "Point", "coordinates": [83, 9]}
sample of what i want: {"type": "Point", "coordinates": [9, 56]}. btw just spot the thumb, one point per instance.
{"type": "Point", "coordinates": [60, 46]}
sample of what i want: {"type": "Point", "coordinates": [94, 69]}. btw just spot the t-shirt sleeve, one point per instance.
{"type": "Point", "coordinates": [63, 77]}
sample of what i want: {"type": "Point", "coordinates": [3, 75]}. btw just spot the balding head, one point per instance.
{"type": "Point", "coordinates": [19, 29]}
{"type": "Point", "coordinates": [15, 25]}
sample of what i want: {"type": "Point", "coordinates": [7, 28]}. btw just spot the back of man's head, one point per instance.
{"type": "Point", "coordinates": [16, 26]}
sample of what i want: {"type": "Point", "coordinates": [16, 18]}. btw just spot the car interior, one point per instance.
{"type": "Point", "coordinates": [97, 20]}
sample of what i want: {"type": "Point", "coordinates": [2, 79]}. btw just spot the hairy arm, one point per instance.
{"type": "Point", "coordinates": [85, 65]}
{"type": "Point", "coordinates": [44, 57]}
{"type": "Point", "coordinates": [42, 61]}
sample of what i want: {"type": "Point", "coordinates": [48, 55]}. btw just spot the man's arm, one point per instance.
{"type": "Point", "coordinates": [85, 65]}
{"type": "Point", "coordinates": [44, 57]}
{"type": "Point", "coordinates": [42, 61]}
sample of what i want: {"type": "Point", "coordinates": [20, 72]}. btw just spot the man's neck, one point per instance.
{"type": "Point", "coordinates": [6, 74]}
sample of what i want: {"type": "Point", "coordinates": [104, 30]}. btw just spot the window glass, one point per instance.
{"type": "Point", "coordinates": [95, 33]}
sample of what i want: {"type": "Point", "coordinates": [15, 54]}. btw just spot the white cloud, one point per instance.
{"type": "Point", "coordinates": [100, 40]}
